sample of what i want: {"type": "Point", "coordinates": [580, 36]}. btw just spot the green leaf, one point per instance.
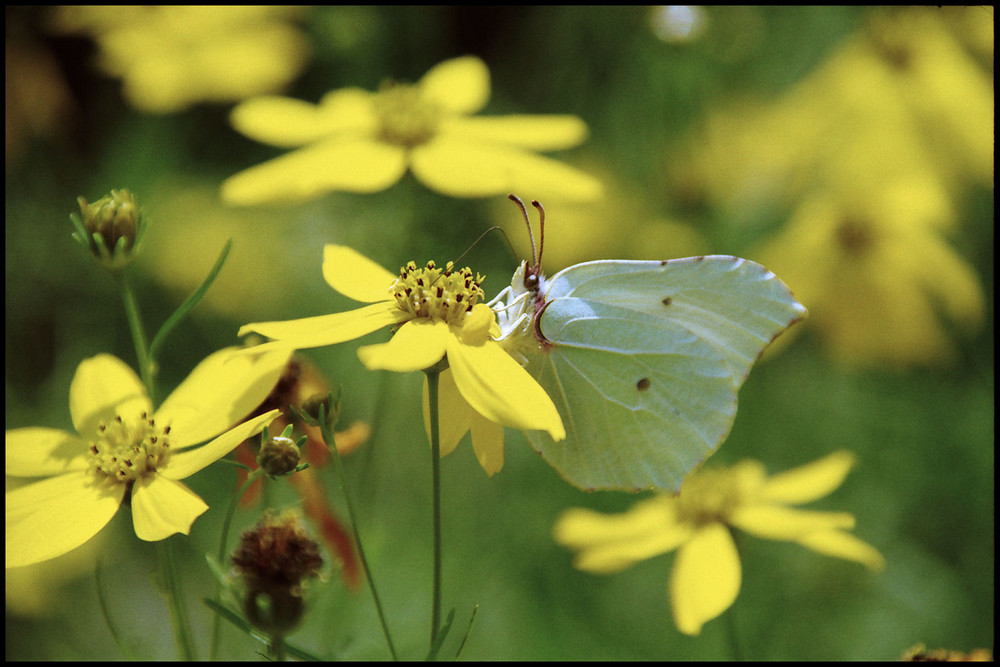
{"type": "Point", "coordinates": [263, 638]}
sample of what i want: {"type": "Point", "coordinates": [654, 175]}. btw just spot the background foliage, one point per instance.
{"type": "Point", "coordinates": [923, 492]}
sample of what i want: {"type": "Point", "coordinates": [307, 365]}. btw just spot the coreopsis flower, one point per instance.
{"type": "Point", "coordinates": [706, 575]}
{"type": "Point", "coordinates": [170, 58]}
{"type": "Point", "coordinates": [126, 451]}
{"type": "Point", "coordinates": [439, 317]}
{"type": "Point", "coordinates": [877, 273]}
{"type": "Point", "coordinates": [360, 141]}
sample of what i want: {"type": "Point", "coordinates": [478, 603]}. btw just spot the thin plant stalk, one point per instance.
{"type": "Point", "coordinates": [432, 400]}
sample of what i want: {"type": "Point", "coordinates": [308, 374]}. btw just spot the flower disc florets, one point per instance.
{"type": "Point", "coordinates": [405, 117]}
{"type": "Point", "coordinates": [124, 451]}
{"type": "Point", "coordinates": [711, 496]}
{"type": "Point", "coordinates": [443, 294]}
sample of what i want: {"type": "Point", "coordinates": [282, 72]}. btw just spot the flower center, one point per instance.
{"type": "Point", "coordinates": [123, 451]}
{"type": "Point", "coordinates": [710, 496]}
{"type": "Point", "coordinates": [405, 117]}
{"type": "Point", "coordinates": [443, 294]}
{"type": "Point", "coordinates": [855, 237]}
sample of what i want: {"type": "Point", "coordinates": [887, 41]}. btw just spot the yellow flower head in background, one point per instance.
{"type": "Point", "coordinates": [125, 449]}
{"type": "Point", "coordinates": [439, 316]}
{"type": "Point", "coordinates": [360, 141]}
{"type": "Point", "coordinates": [876, 272]}
{"type": "Point", "coordinates": [706, 575]}
{"type": "Point", "coordinates": [172, 57]}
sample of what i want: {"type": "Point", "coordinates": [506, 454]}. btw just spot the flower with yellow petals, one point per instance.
{"type": "Point", "coordinates": [706, 575]}
{"type": "Point", "coordinates": [439, 318]}
{"type": "Point", "coordinates": [170, 58]}
{"type": "Point", "coordinates": [360, 141]}
{"type": "Point", "coordinates": [125, 450]}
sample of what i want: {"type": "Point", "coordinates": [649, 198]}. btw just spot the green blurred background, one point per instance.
{"type": "Point", "coordinates": [704, 140]}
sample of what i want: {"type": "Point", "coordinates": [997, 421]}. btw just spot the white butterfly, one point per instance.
{"type": "Point", "coordinates": [643, 359]}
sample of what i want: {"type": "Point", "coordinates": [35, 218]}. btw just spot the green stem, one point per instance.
{"type": "Point", "coordinates": [138, 334]}
{"type": "Point", "coordinates": [432, 399]}
{"type": "Point", "coordinates": [171, 591]}
{"type": "Point", "coordinates": [224, 537]}
{"type": "Point", "coordinates": [332, 446]}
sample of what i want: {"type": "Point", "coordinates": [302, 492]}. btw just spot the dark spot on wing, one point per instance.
{"type": "Point", "coordinates": [667, 301]}
{"type": "Point", "coordinates": [643, 384]}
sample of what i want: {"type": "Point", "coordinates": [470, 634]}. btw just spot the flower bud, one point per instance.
{"type": "Point", "coordinates": [274, 559]}
{"type": "Point", "coordinates": [110, 228]}
{"type": "Point", "coordinates": [279, 455]}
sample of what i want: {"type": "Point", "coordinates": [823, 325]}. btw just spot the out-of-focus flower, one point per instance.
{"type": "Point", "coordinates": [299, 382]}
{"type": "Point", "coordinates": [274, 561]}
{"type": "Point", "coordinates": [36, 99]}
{"type": "Point", "coordinates": [920, 653]}
{"type": "Point", "coordinates": [172, 57]}
{"type": "Point", "coordinates": [440, 319]}
{"type": "Point", "coordinates": [126, 451]}
{"type": "Point", "coordinates": [875, 271]}
{"type": "Point", "coordinates": [706, 576]}
{"type": "Point", "coordinates": [360, 141]}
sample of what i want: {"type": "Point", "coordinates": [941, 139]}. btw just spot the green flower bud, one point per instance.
{"type": "Point", "coordinates": [110, 228]}
{"type": "Point", "coordinates": [279, 455]}
{"type": "Point", "coordinates": [319, 405]}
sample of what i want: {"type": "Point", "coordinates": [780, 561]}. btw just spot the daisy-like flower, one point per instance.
{"type": "Point", "coordinates": [360, 141]}
{"type": "Point", "coordinates": [706, 575]}
{"type": "Point", "coordinates": [125, 450]}
{"type": "Point", "coordinates": [439, 316]}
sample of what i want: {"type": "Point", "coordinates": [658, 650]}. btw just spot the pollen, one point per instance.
{"type": "Point", "coordinates": [434, 293]}
{"type": "Point", "coordinates": [124, 450]}
{"type": "Point", "coordinates": [405, 117]}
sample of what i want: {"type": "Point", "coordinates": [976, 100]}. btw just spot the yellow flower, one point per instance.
{"type": "Point", "coordinates": [172, 57]}
{"type": "Point", "coordinates": [440, 317]}
{"type": "Point", "coordinates": [360, 141]}
{"type": "Point", "coordinates": [124, 449]}
{"type": "Point", "coordinates": [706, 575]}
{"type": "Point", "coordinates": [875, 270]}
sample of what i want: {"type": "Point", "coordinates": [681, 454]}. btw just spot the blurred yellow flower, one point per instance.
{"type": "Point", "coordinates": [875, 270]}
{"type": "Point", "coordinates": [125, 450]}
{"type": "Point", "coordinates": [706, 576]}
{"type": "Point", "coordinates": [172, 57]}
{"type": "Point", "coordinates": [439, 317]}
{"type": "Point", "coordinates": [360, 141]}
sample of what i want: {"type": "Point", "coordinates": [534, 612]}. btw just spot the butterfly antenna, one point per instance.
{"type": "Point", "coordinates": [524, 212]}
{"type": "Point", "coordinates": [541, 229]}
{"type": "Point", "coordinates": [472, 245]}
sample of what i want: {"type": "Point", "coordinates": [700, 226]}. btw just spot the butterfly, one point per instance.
{"type": "Point", "coordinates": [643, 359]}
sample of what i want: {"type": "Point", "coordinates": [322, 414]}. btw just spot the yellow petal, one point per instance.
{"type": "Point", "coordinates": [223, 389]}
{"type": "Point", "coordinates": [418, 344]}
{"type": "Point", "coordinates": [37, 452]}
{"type": "Point", "coordinates": [499, 389]}
{"type": "Point", "coordinates": [487, 442]}
{"type": "Point", "coordinates": [468, 168]}
{"type": "Point", "coordinates": [328, 329]}
{"type": "Point", "coordinates": [612, 542]}
{"type": "Point", "coordinates": [460, 85]}
{"type": "Point", "coordinates": [454, 414]}
{"type": "Point", "coordinates": [287, 122]}
{"type": "Point", "coordinates": [355, 276]}
{"type": "Point", "coordinates": [102, 387]}
{"type": "Point", "coordinates": [839, 544]}
{"type": "Point", "coordinates": [185, 464]}
{"type": "Point", "coordinates": [49, 518]}
{"type": "Point", "coordinates": [162, 507]}
{"type": "Point", "coordinates": [809, 482]}
{"type": "Point", "coordinates": [537, 133]}
{"type": "Point", "coordinates": [348, 164]}
{"type": "Point", "coordinates": [706, 578]}
{"type": "Point", "coordinates": [775, 522]}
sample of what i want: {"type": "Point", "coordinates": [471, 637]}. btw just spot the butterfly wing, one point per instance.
{"type": "Point", "coordinates": [645, 362]}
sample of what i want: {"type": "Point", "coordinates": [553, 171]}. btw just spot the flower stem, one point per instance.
{"type": "Point", "coordinates": [138, 334]}
{"type": "Point", "coordinates": [216, 623]}
{"type": "Point", "coordinates": [432, 400]}
{"type": "Point", "coordinates": [171, 591]}
{"type": "Point", "coordinates": [332, 446]}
